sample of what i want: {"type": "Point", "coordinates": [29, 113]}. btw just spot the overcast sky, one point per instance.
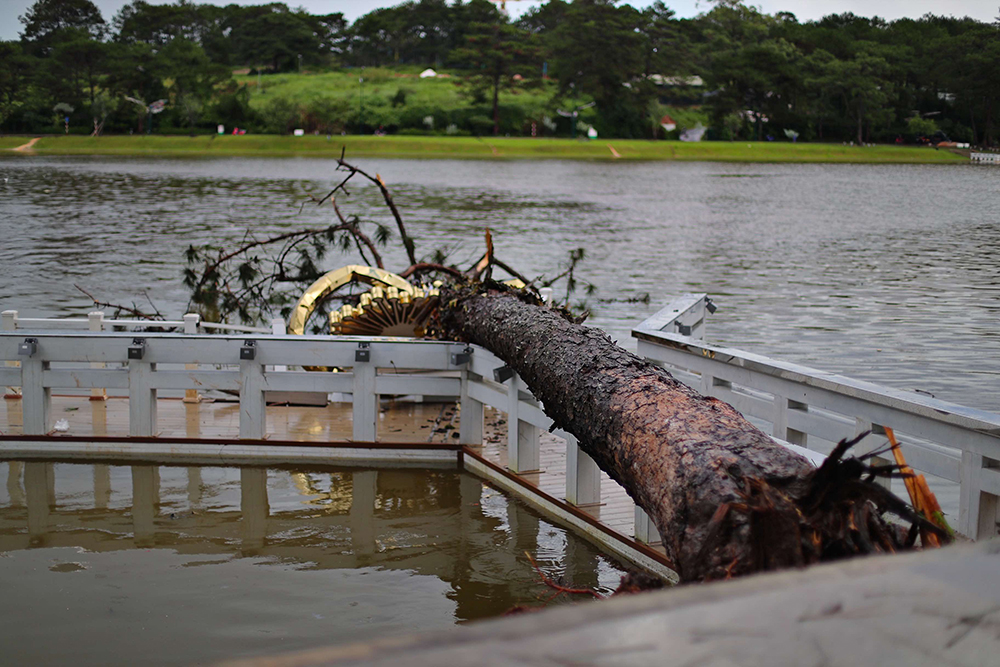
{"type": "Point", "coordinates": [984, 10]}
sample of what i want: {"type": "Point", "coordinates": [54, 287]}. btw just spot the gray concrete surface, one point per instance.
{"type": "Point", "coordinates": [932, 608]}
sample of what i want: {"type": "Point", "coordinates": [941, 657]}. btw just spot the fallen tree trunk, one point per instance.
{"type": "Point", "coordinates": [725, 497]}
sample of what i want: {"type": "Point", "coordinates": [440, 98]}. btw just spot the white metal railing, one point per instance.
{"type": "Point", "coordinates": [148, 363]}
{"type": "Point", "coordinates": [806, 408]}
{"type": "Point", "coordinates": [96, 321]}
{"type": "Point", "coordinates": [987, 158]}
{"type": "Point", "coordinates": [812, 409]}
{"type": "Point", "coordinates": [10, 320]}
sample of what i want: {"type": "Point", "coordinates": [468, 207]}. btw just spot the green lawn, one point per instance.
{"type": "Point", "coordinates": [469, 147]}
{"type": "Point", "coordinates": [7, 143]}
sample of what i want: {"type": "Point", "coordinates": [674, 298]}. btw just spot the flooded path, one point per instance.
{"type": "Point", "coordinates": [140, 564]}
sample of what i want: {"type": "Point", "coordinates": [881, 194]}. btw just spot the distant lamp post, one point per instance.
{"type": "Point", "coordinates": [574, 114]}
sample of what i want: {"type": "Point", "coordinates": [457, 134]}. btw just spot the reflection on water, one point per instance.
{"type": "Point", "coordinates": [884, 272]}
{"type": "Point", "coordinates": [175, 565]}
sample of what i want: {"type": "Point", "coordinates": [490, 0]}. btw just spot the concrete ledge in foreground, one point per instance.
{"type": "Point", "coordinates": [934, 608]}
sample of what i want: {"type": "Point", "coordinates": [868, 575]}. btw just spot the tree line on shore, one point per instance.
{"type": "Point", "coordinates": [753, 75]}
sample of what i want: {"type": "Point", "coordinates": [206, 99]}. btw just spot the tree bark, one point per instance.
{"type": "Point", "coordinates": [680, 455]}
{"type": "Point", "coordinates": [496, 103]}
{"type": "Point", "coordinates": [861, 117]}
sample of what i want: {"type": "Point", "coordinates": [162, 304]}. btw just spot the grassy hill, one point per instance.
{"type": "Point", "coordinates": [396, 99]}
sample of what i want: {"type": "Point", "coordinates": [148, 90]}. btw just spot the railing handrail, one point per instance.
{"type": "Point", "coordinates": [900, 399]}
{"type": "Point", "coordinates": [43, 323]}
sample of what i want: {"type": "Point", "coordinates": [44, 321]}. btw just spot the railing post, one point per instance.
{"type": "Point", "coordinates": [698, 328]}
{"type": "Point", "coordinates": [253, 406]}
{"type": "Point", "coordinates": [583, 477]}
{"type": "Point", "coordinates": [470, 423]}
{"type": "Point", "coordinates": [278, 329]}
{"type": "Point", "coordinates": [191, 321]}
{"type": "Point", "coordinates": [365, 403]}
{"type": "Point", "coordinates": [779, 423]}
{"type": "Point", "coordinates": [645, 530]}
{"type": "Point", "coordinates": [522, 438]}
{"type": "Point", "coordinates": [95, 321]}
{"type": "Point", "coordinates": [141, 399]}
{"type": "Point", "coordinates": [978, 511]}
{"type": "Point", "coordinates": [37, 399]}
{"type": "Point", "coordinates": [860, 426]}
{"type": "Point", "coordinates": [709, 382]}
{"type": "Point", "coordinates": [8, 322]}
{"type": "Point", "coordinates": [969, 495]}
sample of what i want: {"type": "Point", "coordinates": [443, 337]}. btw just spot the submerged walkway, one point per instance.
{"type": "Point", "coordinates": [400, 422]}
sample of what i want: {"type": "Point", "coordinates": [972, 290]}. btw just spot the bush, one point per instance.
{"type": "Point", "coordinates": [480, 125]}
{"type": "Point", "coordinates": [957, 131]}
{"type": "Point", "coordinates": [921, 127]}
{"type": "Point", "coordinates": [233, 109]}
{"type": "Point", "coordinates": [399, 99]}
{"type": "Point", "coordinates": [280, 116]}
{"type": "Point", "coordinates": [326, 115]}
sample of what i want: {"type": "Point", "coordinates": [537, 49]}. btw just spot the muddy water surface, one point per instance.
{"type": "Point", "coordinates": [883, 272]}
{"type": "Point", "coordinates": [136, 564]}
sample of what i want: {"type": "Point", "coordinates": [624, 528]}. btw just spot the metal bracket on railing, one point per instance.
{"type": "Point", "coordinates": [28, 347]}
{"type": "Point", "coordinates": [683, 329]}
{"type": "Point", "coordinates": [249, 350]}
{"type": "Point", "coordinates": [463, 357]}
{"type": "Point", "coordinates": [503, 374]}
{"type": "Point", "coordinates": [363, 353]}
{"type": "Point", "coordinates": [137, 349]}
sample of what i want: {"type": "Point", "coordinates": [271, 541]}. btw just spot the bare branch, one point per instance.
{"type": "Point", "coordinates": [359, 236]}
{"type": "Point", "coordinates": [123, 309]}
{"type": "Point", "coordinates": [429, 267]}
{"type": "Point", "coordinates": [408, 244]}
{"type": "Point", "coordinates": [506, 267]}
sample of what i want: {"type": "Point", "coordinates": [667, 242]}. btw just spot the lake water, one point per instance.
{"type": "Point", "coordinates": [882, 272]}
{"type": "Point", "coordinates": [119, 564]}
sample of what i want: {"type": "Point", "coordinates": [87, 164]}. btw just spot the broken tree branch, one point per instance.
{"type": "Point", "coordinates": [408, 244]}
{"type": "Point", "coordinates": [119, 308]}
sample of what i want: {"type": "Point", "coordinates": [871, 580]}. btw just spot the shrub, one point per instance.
{"type": "Point", "coordinates": [280, 116]}
{"type": "Point", "coordinates": [921, 127]}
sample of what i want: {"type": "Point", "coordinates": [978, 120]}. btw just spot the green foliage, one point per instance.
{"type": "Point", "coordinates": [598, 49]}
{"type": "Point", "coordinates": [46, 22]}
{"type": "Point", "coordinates": [399, 99]}
{"type": "Point", "coordinates": [233, 108]}
{"type": "Point", "coordinates": [842, 78]}
{"type": "Point", "coordinates": [494, 52]}
{"type": "Point", "coordinates": [921, 127]}
{"type": "Point", "coordinates": [279, 116]}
